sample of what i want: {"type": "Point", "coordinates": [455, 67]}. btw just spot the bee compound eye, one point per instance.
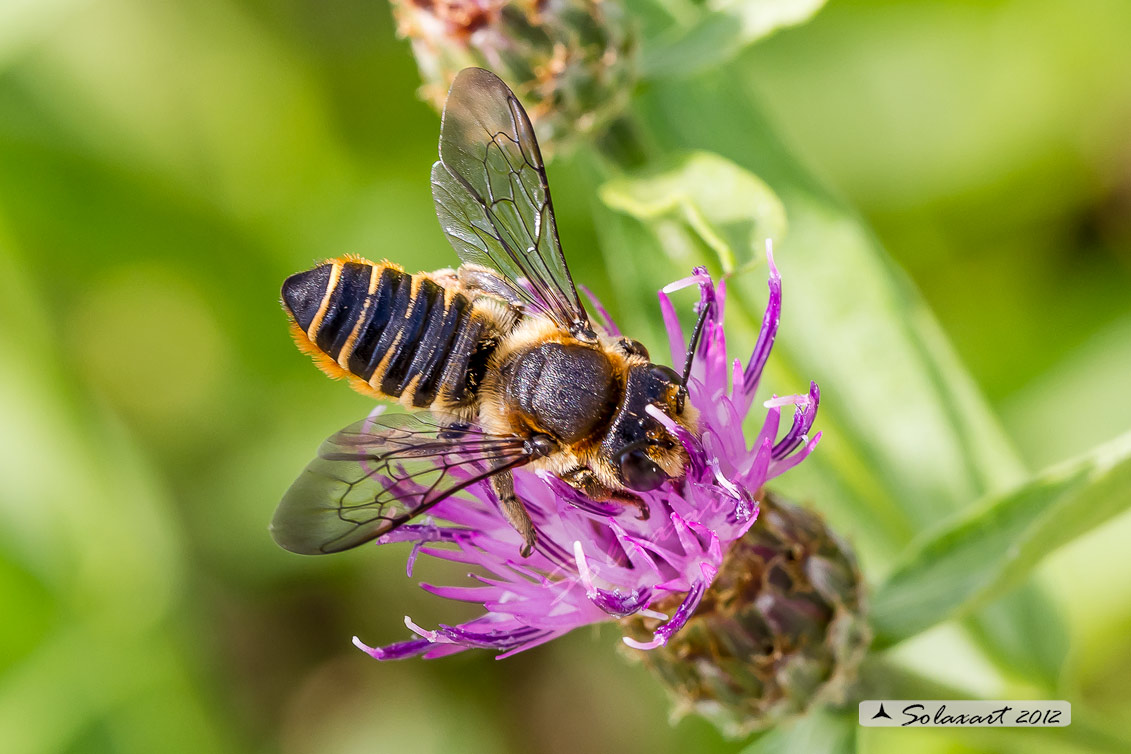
{"type": "Point", "coordinates": [666, 374]}
{"type": "Point", "coordinates": [640, 472]}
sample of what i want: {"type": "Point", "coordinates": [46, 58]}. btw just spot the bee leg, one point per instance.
{"type": "Point", "coordinates": [586, 482]}
{"type": "Point", "coordinates": [514, 511]}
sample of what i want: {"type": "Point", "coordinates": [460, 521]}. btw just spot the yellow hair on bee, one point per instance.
{"type": "Point", "coordinates": [332, 368]}
{"type": "Point", "coordinates": [304, 339]}
{"type": "Point", "coordinates": [358, 259]}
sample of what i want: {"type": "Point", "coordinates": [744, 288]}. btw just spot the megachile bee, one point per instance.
{"type": "Point", "coordinates": [498, 356]}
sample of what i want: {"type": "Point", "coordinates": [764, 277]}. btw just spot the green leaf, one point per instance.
{"type": "Point", "coordinates": [994, 545]}
{"type": "Point", "coordinates": [730, 209]}
{"type": "Point", "coordinates": [821, 732]}
{"type": "Point", "coordinates": [720, 32]}
{"type": "Point", "coordinates": [1006, 624]}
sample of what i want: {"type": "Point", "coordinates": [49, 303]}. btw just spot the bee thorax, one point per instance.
{"type": "Point", "coordinates": [564, 390]}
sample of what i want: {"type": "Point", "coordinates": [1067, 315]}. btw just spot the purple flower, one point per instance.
{"type": "Point", "coordinates": [595, 561]}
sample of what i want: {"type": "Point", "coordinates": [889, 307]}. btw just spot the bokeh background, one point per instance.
{"type": "Point", "coordinates": [163, 166]}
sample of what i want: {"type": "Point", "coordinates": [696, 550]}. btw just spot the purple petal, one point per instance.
{"type": "Point", "coordinates": [610, 601]}
{"type": "Point", "coordinates": [803, 417]}
{"type": "Point", "coordinates": [621, 605]}
{"type": "Point", "coordinates": [780, 467]}
{"type": "Point", "coordinates": [490, 639]}
{"type": "Point", "coordinates": [577, 500]}
{"type": "Point", "coordinates": [530, 644]}
{"type": "Point", "coordinates": [769, 427]}
{"type": "Point", "coordinates": [638, 555]}
{"type": "Point", "coordinates": [479, 594]}
{"type": "Point", "coordinates": [770, 321]}
{"type": "Point", "coordinates": [755, 476]}
{"type": "Point", "coordinates": [602, 313]}
{"type": "Point", "coordinates": [682, 614]}
{"type": "Point", "coordinates": [398, 651]}
{"type": "Point", "coordinates": [719, 296]}
{"type": "Point", "coordinates": [676, 342]}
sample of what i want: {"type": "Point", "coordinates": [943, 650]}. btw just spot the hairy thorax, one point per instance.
{"type": "Point", "coordinates": [565, 390]}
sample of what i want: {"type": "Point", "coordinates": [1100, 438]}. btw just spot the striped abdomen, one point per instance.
{"type": "Point", "coordinates": [392, 334]}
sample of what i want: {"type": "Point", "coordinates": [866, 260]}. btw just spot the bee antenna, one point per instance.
{"type": "Point", "coordinates": [693, 346]}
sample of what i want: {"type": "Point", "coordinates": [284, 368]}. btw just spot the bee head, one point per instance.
{"type": "Point", "coordinates": [642, 452]}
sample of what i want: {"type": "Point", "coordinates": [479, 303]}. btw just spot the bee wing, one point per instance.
{"type": "Point", "coordinates": [492, 198]}
{"type": "Point", "coordinates": [382, 472]}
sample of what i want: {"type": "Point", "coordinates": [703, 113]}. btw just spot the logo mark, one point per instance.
{"type": "Point", "coordinates": [965, 713]}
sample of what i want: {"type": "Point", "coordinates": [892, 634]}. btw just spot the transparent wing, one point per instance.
{"type": "Point", "coordinates": [382, 472]}
{"type": "Point", "coordinates": [493, 200]}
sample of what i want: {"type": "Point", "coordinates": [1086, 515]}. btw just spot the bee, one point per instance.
{"type": "Point", "coordinates": [498, 357]}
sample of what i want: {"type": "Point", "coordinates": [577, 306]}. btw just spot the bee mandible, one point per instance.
{"type": "Point", "coordinates": [497, 358]}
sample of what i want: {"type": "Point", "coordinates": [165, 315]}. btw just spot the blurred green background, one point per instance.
{"type": "Point", "coordinates": [163, 166]}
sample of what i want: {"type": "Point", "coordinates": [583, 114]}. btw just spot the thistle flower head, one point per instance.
{"type": "Point", "coordinates": [570, 61]}
{"type": "Point", "coordinates": [781, 629]}
{"type": "Point", "coordinates": [596, 561]}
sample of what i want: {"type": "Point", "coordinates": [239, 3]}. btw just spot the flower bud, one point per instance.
{"type": "Point", "coordinates": [571, 62]}
{"type": "Point", "coordinates": [780, 630]}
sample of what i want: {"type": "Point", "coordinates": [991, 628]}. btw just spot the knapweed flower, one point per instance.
{"type": "Point", "coordinates": [599, 562]}
{"type": "Point", "coordinates": [781, 629]}
{"type": "Point", "coordinates": [570, 61]}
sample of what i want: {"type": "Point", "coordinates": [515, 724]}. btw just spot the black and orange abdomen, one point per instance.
{"type": "Point", "coordinates": [391, 334]}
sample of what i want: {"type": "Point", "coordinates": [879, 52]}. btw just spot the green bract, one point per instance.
{"type": "Point", "coordinates": [781, 630]}
{"type": "Point", "coordinates": [571, 62]}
